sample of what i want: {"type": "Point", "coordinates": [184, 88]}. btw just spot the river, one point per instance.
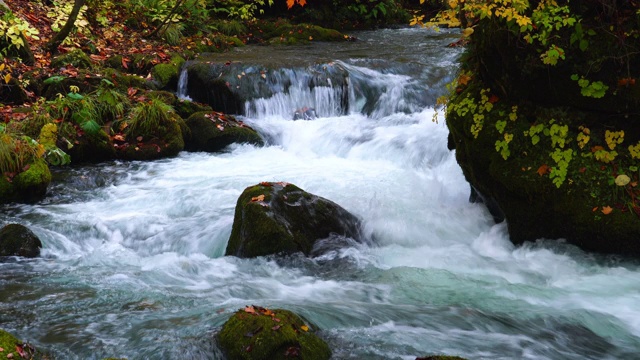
{"type": "Point", "coordinates": [133, 265]}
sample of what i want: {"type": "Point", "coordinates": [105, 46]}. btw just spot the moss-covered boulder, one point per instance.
{"type": "Point", "coordinates": [166, 75]}
{"type": "Point", "coordinates": [152, 131]}
{"type": "Point", "coordinates": [280, 218]}
{"type": "Point", "coordinates": [186, 108]}
{"type": "Point", "coordinates": [213, 131]}
{"type": "Point", "coordinates": [206, 86]}
{"type": "Point", "coordinates": [28, 186]}
{"type": "Point", "coordinates": [552, 143]}
{"type": "Point", "coordinates": [85, 147]}
{"type": "Point", "coordinates": [77, 58]}
{"type": "Point", "coordinates": [256, 333]}
{"type": "Point", "coordinates": [17, 240]}
{"type": "Point", "coordinates": [12, 348]}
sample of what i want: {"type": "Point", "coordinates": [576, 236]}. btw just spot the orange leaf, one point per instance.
{"type": "Point", "coordinates": [266, 183]}
{"type": "Point", "coordinates": [594, 209]}
{"type": "Point", "coordinates": [290, 4]}
{"type": "Point", "coordinates": [606, 210]}
{"type": "Point", "coordinates": [250, 310]}
{"type": "Point", "coordinates": [596, 148]}
{"type": "Point", "coordinates": [257, 198]}
{"type": "Point", "coordinates": [124, 63]}
{"type": "Point", "coordinates": [543, 169]}
{"type": "Point", "coordinates": [463, 79]}
{"type": "Point", "coordinates": [302, 2]}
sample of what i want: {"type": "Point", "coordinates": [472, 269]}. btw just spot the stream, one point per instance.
{"type": "Point", "coordinates": [133, 260]}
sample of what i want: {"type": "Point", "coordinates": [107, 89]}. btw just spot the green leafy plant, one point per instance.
{"type": "Point", "coordinates": [12, 29]}
{"type": "Point", "coordinates": [147, 118]}
{"type": "Point", "coordinates": [594, 89]}
{"type": "Point", "coordinates": [16, 153]}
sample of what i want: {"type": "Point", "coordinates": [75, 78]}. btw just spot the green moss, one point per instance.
{"type": "Point", "coordinates": [270, 334]}
{"type": "Point", "coordinates": [274, 218]}
{"type": "Point", "coordinates": [212, 132]}
{"type": "Point", "coordinates": [27, 186]}
{"type": "Point", "coordinates": [8, 343]}
{"type": "Point", "coordinates": [165, 74]}
{"type": "Point", "coordinates": [186, 108]}
{"type": "Point", "coordinates": [76, 57]}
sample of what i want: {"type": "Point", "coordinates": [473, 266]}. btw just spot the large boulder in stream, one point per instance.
{"type": "Point", "coordinates": [213, 131]}
{"type": "Point", "coordinates": [554, 144]}
{"type": "Point", "coordinates": [281, 218]}
{"type": "Point", "coordinates": [17, 240]}
{"type": "Point", "coordinates": [256, 333]}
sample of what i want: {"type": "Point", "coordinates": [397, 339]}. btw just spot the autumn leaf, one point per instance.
{"type": "Point", "coordinates": [606, 210]}
{"type": "Point", "coordinates": [257, 198]}
{"type": "Point", "coordinates": [124, 63]}
{"type": "Point", "coordinates": [304, 328]}
{"type": "Point", "coordinates": [7, 78]}
{"type": "Point", "coordinates": [250, 310]}
{"type": "Point", "coordinates": [493, 99]}
{"type": "Point", "coordinates": [277, 327]}
{"type": "Point", "coordinates": [266, 183]}
{"type": "Point", "coordinates": [464, 79]}
{"type": "Point", "coordinates": [132, 91]}
{"type": "Point", "coordinates": [543, 169]}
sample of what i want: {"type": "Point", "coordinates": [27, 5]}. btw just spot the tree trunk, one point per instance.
{"type": "Point", "coordinates": [66, 29]}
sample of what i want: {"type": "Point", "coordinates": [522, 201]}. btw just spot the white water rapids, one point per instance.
{"type": "Point", "coordinates": [133, 265]}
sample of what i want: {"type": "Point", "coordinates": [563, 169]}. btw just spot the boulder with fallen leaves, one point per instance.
{"type": "Point", "coordinates": [281, 218]}
{"type": "Point", "coordinates": [12, 348]}
{"type": "Point", "coordinates": [213, 131]}
{"type": "Point", "coordinates": [256, 333]}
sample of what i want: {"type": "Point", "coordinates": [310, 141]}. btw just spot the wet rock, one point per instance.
{"type": "Point", "coordinates": [77, 58]}
{"type": "Point", "coordinates": [17, 240]}
{"type": "Point", "coordinates": [280, 218]}
{"type": "Point", "coordinates": [166, 75]}
{"type": "Point", "coordinates": [305, 113]}
{"type": "Point", "coordinates": [260, 333]}
{"type": "Point", "coordinates": [12, 348]}
{"type": "Point", "coordinates": [212, 131]}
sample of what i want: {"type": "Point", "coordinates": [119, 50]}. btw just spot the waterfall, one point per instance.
{"type": "Point", "coordinates": [183, 80]}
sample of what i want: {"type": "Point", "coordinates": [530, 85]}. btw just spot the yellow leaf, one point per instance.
{"type": "Point", "coordinates": [304, 328]}
{"type": "Point", "coordinates": [606, 210]}
{"type": "Point", "coordinates": [467, 32]}
{"type": "Point", "coordinates": [7, 78]}
{"type": "Point", "coordinates": [2, 66]}
{"type": "Point", "coordinates": [257, 198]}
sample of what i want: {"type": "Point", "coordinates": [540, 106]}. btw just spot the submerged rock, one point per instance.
{"type": "Point", "coordinates": [259, 333]}
{"type": "Point", "coordinates": [274, 218]}
{"type": "Point", "coordinates": [17, 240]}
{"type": "Point", "coordinates": [212, 131]}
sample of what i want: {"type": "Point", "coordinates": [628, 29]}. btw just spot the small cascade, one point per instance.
{"type": "Point", "coordinates": [183, 80]}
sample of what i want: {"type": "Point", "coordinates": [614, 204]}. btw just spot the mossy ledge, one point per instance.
{"type": "Point", "coordinates": [256, 333]}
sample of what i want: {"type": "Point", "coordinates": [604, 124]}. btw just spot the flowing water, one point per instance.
{"type": "Point", "coordinates": [133, 261]}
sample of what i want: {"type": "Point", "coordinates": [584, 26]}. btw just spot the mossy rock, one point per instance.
{"type": "Point", "coordinates": [17, 240]}
{"type": "Point", "coordinates": [303, 33]}
{"type": "Point", "coordinates": [124, 81]}
{"type": "Point", "coordinates": [280, 218]}
{"type": "Point", "coordinates": [114, 62]}
{"type": "Point", "coordinates": [166, 75]}
{"type": "Point", "coordinates": [186, 108]}
{"type": "Point", "coordinates": [523, 188]}
{"type": "Point", "coordinates": [54, 86]}
{"type": "Point", "coordinates": [27, 186]}
{"type": "Point", "coordinates": [77, 58]}
{"type": "Point", "coordinates": [166, 141]}
{"type": "Point", "coordinates": [85, 147]}
{"type": "Point", "coordinates": [213, 131]}
{"type": "Point", "coordinates": [256, 333]}
{"type": "Point", "coordinates": [8, 343]}
{"type": "Point", "coordinates": [206, 87]}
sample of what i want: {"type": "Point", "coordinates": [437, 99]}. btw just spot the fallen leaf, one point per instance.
{"type": "Point", "coordinates": [607, 210]}
{"type": "Point", "coordinates": [594, 209]}
{"type": "Point", "coordinates": [277, 327]}
{"type": "Point", "coordinates": [139, 138]}
{"type": "Point", "coordinates": [118, 137]}
{"type": "Point", "coordinates": [543, 169]}
{"type": "Point", "coordinates": [250, 310]}
{"type": "Point", "coordinates": [464, 79]}
{"type": "Point", "coordinates": [493, 99]}
{"type": "Point", "coordinates": [266, 183]}
{"type": "Point", "coordinates": [304, 328]}
{"type": "Point", "coordinates": [622, 180]}
{"type": "Point", "coordinates": [257, 198]}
